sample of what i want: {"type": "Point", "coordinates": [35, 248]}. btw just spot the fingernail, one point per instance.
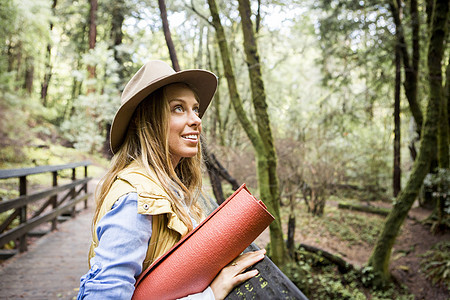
{"type": "Point", "coordinates": [255, 272]}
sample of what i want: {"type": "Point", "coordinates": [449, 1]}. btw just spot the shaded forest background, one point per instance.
{"type": "Point", "coordinates": [354, 103]}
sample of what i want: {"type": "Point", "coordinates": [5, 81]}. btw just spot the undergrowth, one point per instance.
{"type": "Point", "coordinates": [436, 264]}
{"type": "Point", "coordinates": [316, 277]}
{"type": "Point", "coordinates": [319, 279]}
{"type": "Point", "coordinates": [346, 225]}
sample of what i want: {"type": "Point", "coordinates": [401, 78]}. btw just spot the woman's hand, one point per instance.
{"type": "Point", "coordinates": [231, 275]}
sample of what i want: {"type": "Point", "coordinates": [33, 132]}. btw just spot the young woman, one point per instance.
{"type": "Point", "coordinates": [147, 200]}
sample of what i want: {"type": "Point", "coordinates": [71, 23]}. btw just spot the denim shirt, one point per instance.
{"type": "Point", "coordinates": [123, 241]}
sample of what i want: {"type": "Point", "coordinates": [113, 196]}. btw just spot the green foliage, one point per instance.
{"type": "Point", "coordinates": [439, 185]}
{"type": "Point", "coordinates": [14, 129]}
{"type": "Point", "coordinates": [436, 264]}
{"type": "Point", "coordinates": [86, 127]}
{"type": "Point", "coordinates": [320, 280]}
{"type": "Point", "coordinates": [8, 14]}
{"type": "Point", "coordinates": [7, 192]}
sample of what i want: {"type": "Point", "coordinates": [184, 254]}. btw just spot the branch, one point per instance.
{"type": "Point", "coordinates": [194, 10]}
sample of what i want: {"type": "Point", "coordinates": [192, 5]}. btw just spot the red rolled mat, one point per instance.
{"type": "Point", "coordinates": [192, 263]}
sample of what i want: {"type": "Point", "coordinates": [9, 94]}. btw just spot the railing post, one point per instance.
{"type": "Point", "coordinates": [23, 213]}
{"type": "Point", "coordinates": [54, 198]}
{"type": "Point", "coordinates": [85, 185]}
{"type": "Point", "coordinates": [73, 192]}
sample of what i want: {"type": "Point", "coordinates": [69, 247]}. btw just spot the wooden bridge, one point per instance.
{"type": "Point", "coordinates": [53, 265]}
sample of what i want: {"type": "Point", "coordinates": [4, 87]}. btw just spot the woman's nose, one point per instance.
{"type": "Point", "coordinates": [194, 119]}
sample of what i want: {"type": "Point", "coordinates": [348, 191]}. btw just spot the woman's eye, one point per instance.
{"type": "Point", "coordinates": [178, 108]}
{"type": "Point", "coordinates": [196, 110]}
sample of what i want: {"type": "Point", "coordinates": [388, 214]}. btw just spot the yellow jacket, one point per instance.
{"type": "Point", "coordinates": [167, 228]}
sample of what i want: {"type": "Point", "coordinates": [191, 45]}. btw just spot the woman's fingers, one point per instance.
{"type": "Point", "coordinates": [232, 275]}
{"type": "Point", "coordinates": [245, 276]}
{"type": "Point", "coordinates": [244, 261]}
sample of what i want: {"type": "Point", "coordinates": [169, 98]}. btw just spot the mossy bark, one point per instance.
{"type": "Point", "coordinates": [266, 160]}
{"type": "Point", "coordinates": [447, 91]}
{"type": "Point", "coordinates": [263, 122]}
{"type": "Point", "coordinates": [380, 257]}
{"type": "Point", "coordinates": [396, 184]}
{"type": "Point", "coordinates": [443, 153]}
{"type": "Point", "coordinates": [443, 136]}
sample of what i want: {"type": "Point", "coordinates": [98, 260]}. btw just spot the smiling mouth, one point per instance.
{"type": "Point", "coordinates": [191, 137]}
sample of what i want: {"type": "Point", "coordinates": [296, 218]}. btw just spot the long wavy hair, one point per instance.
{"type": "Point", "coordinates": [146, 142]}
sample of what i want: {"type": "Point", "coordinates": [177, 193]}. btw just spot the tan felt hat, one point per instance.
{"type": "Point", "coordinates": [152, 76]}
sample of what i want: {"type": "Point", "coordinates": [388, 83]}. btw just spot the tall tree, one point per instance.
{"type": "Point", "coordinates": [48, 64]}
{"type": "Point", "coordinates": [410, 66]}
{"type": "Point", "coordinates": [168, 36]}
{"type": "Point", "coordinates": [278, 247]}
{"type": "Point", "coordinates": [397, 154]}
{"type": "Point", "coordinates": [29, 74]}
{"type": "Point", "coordinates": [118, 12]}
{"type": "Point", "coordinates": [267, 167]}
{"type": "Point", "coordinates": [92, 35]}
{"type": "Point", "coordinates": [443, 136]}
{"type": "Point", "coordinates": [441, 210]}
{"type": "Point", "coordinates": [380, 257]}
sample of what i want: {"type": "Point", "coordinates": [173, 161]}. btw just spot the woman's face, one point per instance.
{"type": "Point", "coordinates": [184, 122]}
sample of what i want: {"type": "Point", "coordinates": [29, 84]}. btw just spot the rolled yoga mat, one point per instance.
{"type": "Point", "coordinates": [192, 263]}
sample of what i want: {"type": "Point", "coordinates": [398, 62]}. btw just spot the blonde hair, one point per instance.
{"type": "Point", "coordinates": [146, 142]}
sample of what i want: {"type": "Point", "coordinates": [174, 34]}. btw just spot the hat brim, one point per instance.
{"type": "Point", "coordinates": [204, 83]}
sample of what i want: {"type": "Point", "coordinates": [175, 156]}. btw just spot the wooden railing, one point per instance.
{"type": "Point", "coordinates": [61, 198]}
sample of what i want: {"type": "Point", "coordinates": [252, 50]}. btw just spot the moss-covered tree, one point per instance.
{"type": "Point", "coordinates": [379, 260]}
{"type": "Point", "coordinates": [267, 165]}
{"type": "Point", "coordinates": [260, 144]}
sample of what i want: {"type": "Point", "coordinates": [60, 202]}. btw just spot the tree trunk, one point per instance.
{"type": "Point", "coordinates": [443, 157]}
{"type": "Point", "coordinates": [443, 136]}
{"type": "Point", "coordinates": [92, 36]}
{"type": "Point", "coordinates": [365, 208]}
{"type": "Point", "coordinates": [48, 64]}
{"type": "Point", "coordinates": [258, 17]}
{"type": "Point", "coordinates": [214, 178]}
{"type": "Point", "coordinates": [168, 36]}
{"type": "Point", "coordinates": [397, 129]}
{"type": "Point", "coordinates": [410, 69]}
{"type": "Point", "coordinates": [290, 243]}
{"type": "Point", "coordinates": [447, 91]}
{"type": "Point", "coordinates": [259, 98]}
{"type": "Point", "coordinates": [343, 266]}
{"type": "Point", "coordinates": [29, 75]}
{"type": "Point", "coordinates": [116, 34]}
{"type": "Point", "coordinates": [278, 247]}
{"type": "Point", "coordinates": [379, 259]}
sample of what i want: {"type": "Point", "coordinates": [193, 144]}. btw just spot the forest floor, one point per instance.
{"type": "Point", "coordinates": [355, 245]}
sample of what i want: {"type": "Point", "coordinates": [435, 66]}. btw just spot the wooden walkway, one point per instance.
{"type": "Point", "coordinates": [53, 265]}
